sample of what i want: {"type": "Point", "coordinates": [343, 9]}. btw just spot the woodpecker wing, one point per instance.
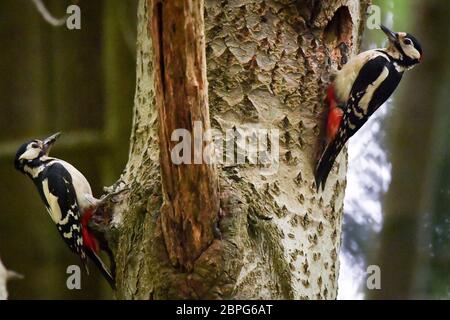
{"type": "Point", "coordinates": [374, 84]}
{"type": "Point", "coordinates": [59, 196]}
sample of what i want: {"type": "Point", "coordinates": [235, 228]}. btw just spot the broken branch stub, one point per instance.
{"type": "Point", "coordinates": [191, 203]}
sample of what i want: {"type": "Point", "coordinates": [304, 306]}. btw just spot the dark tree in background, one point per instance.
{"type": "Point", "coordinates": [413, 255]}
{"type": "Point", "coordinates": [79, 82]}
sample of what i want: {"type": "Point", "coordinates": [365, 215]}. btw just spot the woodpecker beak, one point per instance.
{"type": "Point", "coordinates": [48, 143]}
{"type": "Point", "coordinates": [392, 36]}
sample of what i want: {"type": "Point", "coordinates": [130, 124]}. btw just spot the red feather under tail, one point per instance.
{"type": "Point", "coordinates": [92, 247]}
{"type": "Point", "coordinates": [335, 114]}
{"type": "Point", "coordinates": [89, 239]}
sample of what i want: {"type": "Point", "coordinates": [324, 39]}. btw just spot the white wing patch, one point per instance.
{"type": "Point", "coordinates": [67, 235]}
{"type": "Point", "coordinates": [365, 100]}
{"type": "Point", "coordinates": [80, 184]}
{"type": "Point", "coordinates": [69, 215]}
{"type": "Point", "coordinates": [349, 72]}
{"type": "Point", "coordinates": [54, 210]}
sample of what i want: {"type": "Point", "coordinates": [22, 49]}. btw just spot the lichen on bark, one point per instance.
{"type": "Point", "coordinates": [268, 63]}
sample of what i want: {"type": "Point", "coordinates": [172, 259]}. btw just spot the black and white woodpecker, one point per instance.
{"type": "Point", "coordinates": [67, 196]}
{"type": "Point", "coordinates": [360, 88]}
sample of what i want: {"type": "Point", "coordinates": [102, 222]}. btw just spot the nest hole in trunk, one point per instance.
{"type": "Point", "coordinates": [338, 35]}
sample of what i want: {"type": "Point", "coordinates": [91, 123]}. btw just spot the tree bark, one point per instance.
{"type": "Point", "coordinates": [190, 191]}
{"type": "Point", "coordinates": [268, 64]}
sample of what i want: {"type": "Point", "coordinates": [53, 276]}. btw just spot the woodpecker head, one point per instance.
{"type": "Point", "coordinates": [407, 46]}
{"type": "Point", "coordinates": [30, 154]}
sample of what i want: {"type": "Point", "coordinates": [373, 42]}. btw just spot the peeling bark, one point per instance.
{"type": "Point", "coordinates": [268, 63]}
{"type": "Point", "coordinates": [190, 191]}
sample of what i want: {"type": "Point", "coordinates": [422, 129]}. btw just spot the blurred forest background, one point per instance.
{"type": "Point", "coordinates": [81, 82]}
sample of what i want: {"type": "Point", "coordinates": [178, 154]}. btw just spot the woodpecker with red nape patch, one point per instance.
{"type": "Point", "coordinates": [67, 196]}
{"type": "Point", "coordinates": [360, 88]}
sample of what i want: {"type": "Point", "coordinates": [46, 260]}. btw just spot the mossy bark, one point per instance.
{"type": "Point", "coordinates": [268, 64]}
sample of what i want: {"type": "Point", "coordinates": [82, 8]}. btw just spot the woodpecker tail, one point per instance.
{"type": "Point", "coordinates": [326, 162]}
{"type": "Point", "coordinates": [84, 261]}
{"type": "Point", "coordinates": [102, 267]}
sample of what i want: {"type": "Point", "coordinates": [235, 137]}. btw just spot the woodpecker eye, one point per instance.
{"type": "Point", "coordinates": [407, 41]}
{"type": "Point", "coordinates": [35, 145]}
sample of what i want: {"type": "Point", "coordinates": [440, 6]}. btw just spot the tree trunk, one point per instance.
{"type": "Point", "coordinates": [268, 64]}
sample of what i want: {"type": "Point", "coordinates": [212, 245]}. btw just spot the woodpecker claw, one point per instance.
{"type": "Point", "coordinates": [110, 197]}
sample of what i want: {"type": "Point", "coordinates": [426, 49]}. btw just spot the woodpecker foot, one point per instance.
{"type": "Point", "coordinates": [106, 199]}
{"type": "Point", "coordinates": [111, 197]}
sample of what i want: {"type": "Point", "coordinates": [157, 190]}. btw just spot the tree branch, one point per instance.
{"type": "Point", "coordinates": [191, 202]}
{"type": "Point", "coordinates": [48, 17]}
{"type": "Point", "coordinates": [5, 276]}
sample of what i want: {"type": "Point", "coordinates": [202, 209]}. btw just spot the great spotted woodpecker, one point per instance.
{"type": "Point", "coordinates": [67, 196]}
{"type": "Point", "coordinates": [360, 88]}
